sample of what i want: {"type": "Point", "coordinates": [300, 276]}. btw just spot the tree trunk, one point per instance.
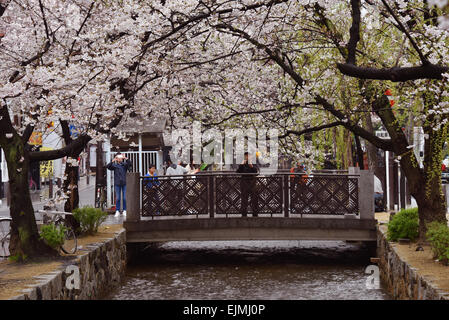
{"type": "Point", "coordinates": [373, 158]}
{"type": "Point", "coordinates": [371, 149]}
{"type": "Point", "coordinates": [70, 187]}
{"type": "Point", "coordinates": [431, 206]}
{"type": "Point", "coordinates": [348, 153]}
{"type": "Point", "coordinates": [359, 152]}
{"type": "Point", "coordinates": [25, 242]}
{"type": "Point", "coordinates": [431, 201]}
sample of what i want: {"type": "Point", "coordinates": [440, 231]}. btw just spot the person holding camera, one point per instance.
{"type": "Point", "coordinates": [120, 165]}
{"type": "Point", "coordinates": [248, 185]}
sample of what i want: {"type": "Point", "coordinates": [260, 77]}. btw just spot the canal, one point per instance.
{"type": "Point", "coordinates": [241, 270]}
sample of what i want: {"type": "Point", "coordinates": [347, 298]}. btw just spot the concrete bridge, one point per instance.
{"type": "Point", "coordinates": [277, 207]}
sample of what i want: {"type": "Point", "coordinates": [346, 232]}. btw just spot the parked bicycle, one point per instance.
{"type": "Point", "coordinates": [70, 244]}
{"type": "Point", "coordinates": [5, 235]}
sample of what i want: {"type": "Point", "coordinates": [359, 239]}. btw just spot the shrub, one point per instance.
{"type": "Point", "coordinates": [404, 224]}
{"type": "Point", "coordinates": [89, 218]}
{"type": "Point", "coordinates": [53, 235]}
{"type": "Point", "coordinates": [438, 236]}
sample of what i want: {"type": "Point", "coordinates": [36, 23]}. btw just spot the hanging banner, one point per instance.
{"type": "Point", "coordinates": [46, 167]}
{"type": "Point", "coordinates": [74, 131]}
{"type": "Point", "coordinates": [35, 139]}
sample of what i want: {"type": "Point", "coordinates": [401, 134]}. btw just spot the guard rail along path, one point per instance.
{"type": "Point", "coordinates": [230, 206]}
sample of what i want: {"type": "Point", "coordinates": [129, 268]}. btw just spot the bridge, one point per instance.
{"type": "Point", "coordinates": [229, 206]}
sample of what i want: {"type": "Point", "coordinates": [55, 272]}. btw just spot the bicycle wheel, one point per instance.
{"type": "Point", "coordinates": [103, 200]}
{"type": "Point", "coordinates": [5, 235]}
{"type": "Point", "coordinates": [70, 242]}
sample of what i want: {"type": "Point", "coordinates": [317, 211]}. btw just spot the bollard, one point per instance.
{"type": "Point", "coordinates": [132, 196]}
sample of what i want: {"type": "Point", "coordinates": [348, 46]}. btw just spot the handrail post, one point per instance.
{"type": "Point", "coordinates": [211, 196]}
{"type": "Point", "coordinates": [133, 196]}
{"type": "Point", "coordinates": [286, 198]}
{"type": "Point", "coordinates": [366, 194]}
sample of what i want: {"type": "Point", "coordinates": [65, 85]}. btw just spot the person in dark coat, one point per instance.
{"type": "Point", "coordinates": [120, 166]}
{"type": "Point", "coordinates": [151, 184]}
{"type": "Point", "coordinates": [248, 185]}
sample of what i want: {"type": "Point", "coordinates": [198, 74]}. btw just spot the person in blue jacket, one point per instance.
{"type": "Point", "coordinates": [120, 166]}
{"type": "Point", "coordinates": [151, 183]}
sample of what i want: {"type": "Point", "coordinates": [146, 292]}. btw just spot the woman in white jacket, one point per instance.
{"type": "Point", "coordinates": [177, 206]}
{"type": "Point", "coordinates": [175, 169]}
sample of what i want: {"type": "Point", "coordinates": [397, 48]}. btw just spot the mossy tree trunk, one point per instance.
{"type": "Point", "coordinates": [424, 183]}
{"type": "Point", "coordinates": [25, 240]}
{"type": "Point", "coordinates": [431, 201]}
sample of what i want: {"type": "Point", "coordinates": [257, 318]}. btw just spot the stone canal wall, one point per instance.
{"type": "Point", "coordinates": [402, 280]}
{"type": "Point", "coordinates": [101, 268]}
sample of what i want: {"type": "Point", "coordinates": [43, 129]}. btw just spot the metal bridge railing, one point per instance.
{"type": "Point", "coordinates": [227, 194]}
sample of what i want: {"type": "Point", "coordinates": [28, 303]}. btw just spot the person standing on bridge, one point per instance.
{"type": "Point", "coordinates": [151, 183]}
{"type": "Point", "coordinates": [248, 185]}
{"type": "Point", "coordinates": [120, 165]}
{"type": "Point", "coordinates": [177, 183]}
{"type": "Point", "coordinates": [299, 180]}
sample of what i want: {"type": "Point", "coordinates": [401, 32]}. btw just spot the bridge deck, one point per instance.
{"type": "Point", "coordinates": [250, 228]}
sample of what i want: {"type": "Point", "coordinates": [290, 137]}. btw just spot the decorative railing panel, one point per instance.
{"type": "Point", "coordinates": [234, 194]}
{"type": "Point", "coordinates": [332, 195]}
{"type": "Point", "coordinates": [227, 194]}
{"type": "Point", "coordinates": [248, 195]}
{"type": "Point", "coordinates": [175, 196]}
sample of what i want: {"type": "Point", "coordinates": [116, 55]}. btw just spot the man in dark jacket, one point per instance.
{"type": "Point", "coordinates": [248, 185]}
{"type": "Point", "coordinates": [120, 166]}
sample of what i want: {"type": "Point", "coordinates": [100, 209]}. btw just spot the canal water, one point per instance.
{"type": "Point", "coordinates": [241, 270]}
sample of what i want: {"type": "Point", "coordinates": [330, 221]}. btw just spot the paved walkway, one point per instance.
{"type": "Point", "coordinates": [86, 193]}
{"type": "Point", "coordinates": [87, 198]}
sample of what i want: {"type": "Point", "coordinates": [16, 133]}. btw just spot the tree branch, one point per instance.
{"type": "Point", "coordinates": [80, 28]}
{"type": "Point", "coordinates": [376, 141]}
{"type": "Point", "coordinates": [403, 29]}
{"type": "Point", "coordinates": [311, 129]}
{"type": "Point", "coordinates": [273, 56]}
{"type": "Point", "coordinates": [77, 145]}
{"type": "Point", "coordinates": [47, 32]}
{"type": "Point", "coordinates": [3, 7]}
{"type": "Point", "coordinates": [380, 143]}
{"type": "Point", "coordinates": [27, 133]}
{"type": "Point", "coordinates": [396, 74]}
{"type": "Point", "coordinates": [66, 132]}
{"type": "Point", "coordinates": [354, 32]}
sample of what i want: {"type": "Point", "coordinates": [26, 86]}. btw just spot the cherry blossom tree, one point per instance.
{"type": "Point", "coordinates": [90, 63]}
{"type": "Point", "coordinates": [299, 66]}
{"type": "Point", "coordinates": [401, 42]}
{"type": "Point", "coordinates": [296, 61]}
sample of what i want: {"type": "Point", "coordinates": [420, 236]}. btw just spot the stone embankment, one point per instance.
{"type": "Point", "coordinates": [409, 274]}
{"type": "Point", "coordinates": [95, 270]}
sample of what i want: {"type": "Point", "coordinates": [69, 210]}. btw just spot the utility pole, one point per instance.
{"type": "Point", "coordinates": [99, 174]}
{"type": "Point", "coordinates": [99, 169]}
{"type": "Point", "coordinates": [88, 164]}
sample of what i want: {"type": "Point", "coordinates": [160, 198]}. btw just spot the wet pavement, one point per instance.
{"type": "Point", "coordinates": [87, 198]}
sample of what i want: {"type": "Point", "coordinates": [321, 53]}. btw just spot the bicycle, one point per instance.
{"type": "Point", "coordinates": [70, 244]}
{"type": "Point", "coordinates": [5, 235]}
